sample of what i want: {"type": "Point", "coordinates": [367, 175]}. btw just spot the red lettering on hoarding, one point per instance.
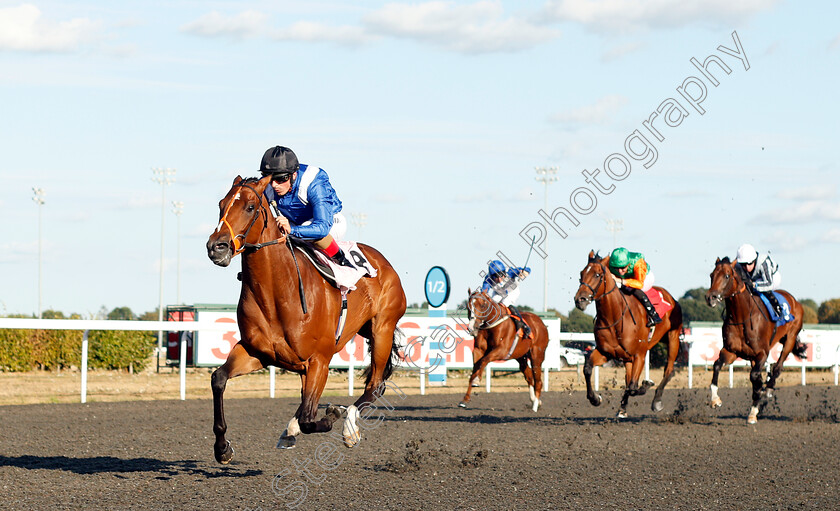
{"type": "Point", "coordinates": [230, 337]}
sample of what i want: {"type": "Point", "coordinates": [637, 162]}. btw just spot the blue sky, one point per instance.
{"type": "Point", "coordinates": [430, 118]}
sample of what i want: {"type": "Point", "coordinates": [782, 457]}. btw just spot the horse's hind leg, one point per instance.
{"type": "Point", "coordinates": [528, 374]}
{"type": "Point", "coordinates": [381, 333]}
{"type": "Point", "coordinates": [724, 357]}
{"type": "Point", "coordinates": [239, 362]}
{"type": "Point", "coordinates": [673, 351]}
{"type": "Point", "coordinates": [595, 358]}
{"type": "Point", "coordinates": [289, 436]}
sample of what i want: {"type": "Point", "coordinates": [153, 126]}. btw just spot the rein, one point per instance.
{"type": "Point", "coordinates": [485, 325]}
{"type": "Point", "coordinates": [603, 281]}
{"type": "Point", "coordinates": [253, 247]}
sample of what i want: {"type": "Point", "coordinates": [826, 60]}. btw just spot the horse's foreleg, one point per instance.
{"type": "Point", "coordinates": [288, 438]}
{"type": "Point", "coordinates": [724, 357]}
{"type": "Point", "coordinates": [537, 359]}
{"type": "Point", "coordinates": [239, 362]}
{"type": "Point", "coordinates": [673, 351]}
{"type": "Point", "coordinates": [595, 358]}
{"type": "Point", "coordinates": [316, 380]}
{"type": "Point", "coordinates": [478, 368]}
{"type": "Point", "coordinates": [758, 387]}
{"type": "Point", "coordinates": [633, 371]}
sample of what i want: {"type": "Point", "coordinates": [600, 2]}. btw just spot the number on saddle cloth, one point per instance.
{"type": "Point", "coordinates": [787, 317]}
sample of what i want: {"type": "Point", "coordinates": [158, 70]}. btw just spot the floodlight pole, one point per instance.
{"type": "Point", "coordinates": [163, 177]}
{"type": "Point", "coordinates": [178, 209]}
{"type": "Point", "coordinates": [546, 175]}
{"type": "Point", "coordinates": [39, 200]}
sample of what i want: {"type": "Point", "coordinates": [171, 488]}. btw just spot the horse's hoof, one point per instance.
{"type": "Point", "coordinates": [769, 394]}
{"type": "Point", "coordinates": [657, 406]}
{"type": "Point", "coordinates": [333, 413]}
{"type": "Point", "coordinates": [596, 401]}
{"type": "Point", "coordinates": [351, 438]}
{"type": "Point", "coordinates": [286, 442]}
{"type": "Point", "coordinates": [475, 384]}
{"type": "Point", "coordinates": [716, 403]}
{"type": "Point", "coordinates": [752, 419]}
{"type": "Point", "coordinates": [536, 405]}
{"type": "Point", "coordinates": [462, 404]}
{"type": "Point", "coordinates": [226, 455]}
{"type": "Point", "coordinates": [622, 414]}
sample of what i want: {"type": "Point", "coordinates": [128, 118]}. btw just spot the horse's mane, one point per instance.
{"type": "Point", "coordinates": [249, 180]}
{"type": "Point", "coordinates": [725, 260]}
{"type": "Point", "coordinates": [596, 258]}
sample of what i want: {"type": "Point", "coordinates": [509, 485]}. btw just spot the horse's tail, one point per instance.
{"type": "Point", "coordinates": [392, 360]}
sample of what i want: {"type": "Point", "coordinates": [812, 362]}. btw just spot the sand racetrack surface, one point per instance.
{"type": "Point", "coordinates": [430, 454]}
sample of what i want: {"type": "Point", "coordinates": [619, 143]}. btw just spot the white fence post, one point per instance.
{"type": "Point", "coordinates": [271, 377]}
{"type": "Point", "coordinates": [647, 365]}
{"type": "Point", "coordinates": [182, 368]}
{"type": "Point", "coordinates": [690, 366]}
{"type": "Point", "coordinates": [596, 373]}
{"type": "Point", "coordinates": [84, 365]}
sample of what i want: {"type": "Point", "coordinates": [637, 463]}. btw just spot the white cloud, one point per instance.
{"type": "Point", "coordinates": [784, 241]}
{"type": "Point", "coordinates": [806, 211]}
{"type": "Point", "coordinates": [831, 236]}
{"type": "Point", "coordinates": [479, 27]}
{"type": "Point", "coordinates": [621, 50]}
{"type": "Point", "coordinates": [597, 113]}
{"type": "Point", "coordinates": [317, 32]}
{"type": "Point", "coordinates": [624, 16]}
{"type": "Point", "coordinates": [239, 26]}
{"type": "Point", "coordinates": [22, 28]}
{"type": "Point", "coordinates": [816, 192]}
{"type": "Point", "coordinates": [834, 44]}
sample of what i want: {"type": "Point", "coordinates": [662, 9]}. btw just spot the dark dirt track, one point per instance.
{"type": "Point", "coordinates": [429, 454]}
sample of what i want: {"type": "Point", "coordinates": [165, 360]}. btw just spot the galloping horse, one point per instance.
{"type": "Point", "coordinates": [274, 323]}
{"type": "Point", "coordinates": [495, 339]}
{"type": "Point", "coordinates": [749, 333]}
{"type": "Point", "coordinates": [621, 332]}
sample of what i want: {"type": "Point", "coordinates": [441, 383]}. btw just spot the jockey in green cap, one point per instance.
{"type": "Point", "coordinates": [635, 277]}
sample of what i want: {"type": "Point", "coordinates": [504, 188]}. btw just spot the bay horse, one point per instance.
{"type": "Point", "coordinates": [288, 315]}
{"type": "Point", "coordinates": [621, 332]}
{"type": "Point", "coordinates": [749, 333]}
{"type": "Point", "coordinates": [495, 339]}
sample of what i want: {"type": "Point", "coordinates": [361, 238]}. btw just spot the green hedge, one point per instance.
{"type": "Point", "coordinates": [24, 349]}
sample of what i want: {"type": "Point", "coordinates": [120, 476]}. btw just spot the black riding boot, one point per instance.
{"type": "Point", "coordinates": [771, 296]}
{"type": "Point", "coordinates": [520, 324]}
{"type": "Point", "coordinates": [340, 258]}
{"type": "Point", "coordinates": [653, 316]}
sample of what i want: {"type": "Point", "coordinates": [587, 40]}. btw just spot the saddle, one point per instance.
{"type": "Point", "coordinates": [786, 317]}
{"type": "Point", "coordinates": [341, 277]}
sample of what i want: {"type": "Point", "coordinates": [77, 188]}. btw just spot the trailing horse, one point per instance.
{"type": "Point", "coordinates": [496, 339]}
{"type": "Point", "coordinates": [749, 333]}
{"type": "Point", "coordinates": [288, 315]}
{"type": "Point", "coordinates": [621, 334]}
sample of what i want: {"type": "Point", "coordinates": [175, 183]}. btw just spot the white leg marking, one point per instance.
{"type": "Point", "coordinates": [351, 433]}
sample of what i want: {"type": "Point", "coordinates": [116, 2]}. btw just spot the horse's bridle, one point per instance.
{"type": "Point", "coordinates": [238, 247]}
{"type": "Point", "coordinates": [484, 325]}
{"type": "Point", "coordinates": [602, 280]}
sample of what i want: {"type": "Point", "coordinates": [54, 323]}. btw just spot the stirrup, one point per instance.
{"type": "Point", "coordinates": [340, 259]}
{"type": "Point", "coordinates": [653, 320]}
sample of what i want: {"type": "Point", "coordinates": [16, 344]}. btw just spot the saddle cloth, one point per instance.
{"type": "Point", "coordinates": [787, 316]}
{"type": "Point", "coordinates": [342, 277]}
{"type": "Point", "coordinates": [658, 301]}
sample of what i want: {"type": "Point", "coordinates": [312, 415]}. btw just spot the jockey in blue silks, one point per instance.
{"type": "Point", "coordinates": [307, 205]}
{"type": "Point", "coordinates": [502, 285]}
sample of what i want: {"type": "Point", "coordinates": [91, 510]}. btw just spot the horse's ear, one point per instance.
{"type": "Point", "coordinates": [592, 255]}
{"type": "Point", "coordinates": [717, 262]}
{"type": "Point", "coordinates": [263, 182]}
{"type": "Point", "coordinates": [469, 291]}
{"type": "Point", "coordinates": [237, 180]}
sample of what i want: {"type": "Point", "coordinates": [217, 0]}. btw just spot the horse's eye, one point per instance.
{"type": "Point", "coordinates": [250, 208]}
{"type": "Point", "coordinates": [597, 275]}
{"type": "Point", "coordinates": [726, 276]}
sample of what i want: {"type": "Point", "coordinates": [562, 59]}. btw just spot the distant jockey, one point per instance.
{"type": "Point", "coordinates": [760, 274]}
{"type": "Point", "coordinates": [633, 274]}
{"type": "Point", "coordinates": [502, 285]}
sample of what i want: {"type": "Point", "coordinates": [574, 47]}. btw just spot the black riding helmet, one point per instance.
{"type": "Point", "coordinates": [279, 160]}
